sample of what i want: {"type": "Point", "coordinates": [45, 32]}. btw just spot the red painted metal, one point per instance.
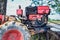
{"type": "Point", "coordinates": [1, 17]}
{"type": "Point", "coordinates": [19, 11]}
{"type": "Point", "coordinates": [43, 9]}
{"type": "Point", "coordinates": [34, 16]}
{"type": "Point", "coordinates": [13, 35]}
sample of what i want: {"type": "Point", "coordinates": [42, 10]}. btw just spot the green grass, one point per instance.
{"type": "Point", "coordinates": [35, 37]}
{"type": "Point", "coordinates": [54, 21]}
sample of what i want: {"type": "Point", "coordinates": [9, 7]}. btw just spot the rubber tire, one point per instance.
{"type": "Point", "coordinates": [52, 35]}
{"type": "Point", "coordinates": [20, 28]}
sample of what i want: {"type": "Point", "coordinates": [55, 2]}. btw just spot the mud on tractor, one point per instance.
{"type": "Point", "coordinates": [22, 28]}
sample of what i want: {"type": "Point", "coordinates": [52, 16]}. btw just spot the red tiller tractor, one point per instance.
{"type": "Point", "coordinates": [21, 28]}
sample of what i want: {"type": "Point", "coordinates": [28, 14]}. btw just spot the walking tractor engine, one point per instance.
{"type": "Point", "coordinates": [37, 18]}
{"type": "Point", "coordinates": [35, 22]}
{"type": "Point", "coordinates": [21, 27]}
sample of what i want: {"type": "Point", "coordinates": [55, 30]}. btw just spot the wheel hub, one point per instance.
{"type": "Point", "coordinates": [13, 35]}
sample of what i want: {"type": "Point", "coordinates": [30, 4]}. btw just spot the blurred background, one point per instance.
{"type": "Point", "coordinates": [54, 5]}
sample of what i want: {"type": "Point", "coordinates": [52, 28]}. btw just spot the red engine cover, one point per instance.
{"type": "Point", "coordinates": [43, 10]}
{"type": "Point", "coordinates": [34, 16]}
{"type": "Point", "coordinates": [19, 12]}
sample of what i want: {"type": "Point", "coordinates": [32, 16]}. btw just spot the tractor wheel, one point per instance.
{"type": "Point", "coordinates": [52, 35]}
{"type": "Point", "coordinates": [15, 31]}
{"type": "Point", "coordinates": [49, 35]}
